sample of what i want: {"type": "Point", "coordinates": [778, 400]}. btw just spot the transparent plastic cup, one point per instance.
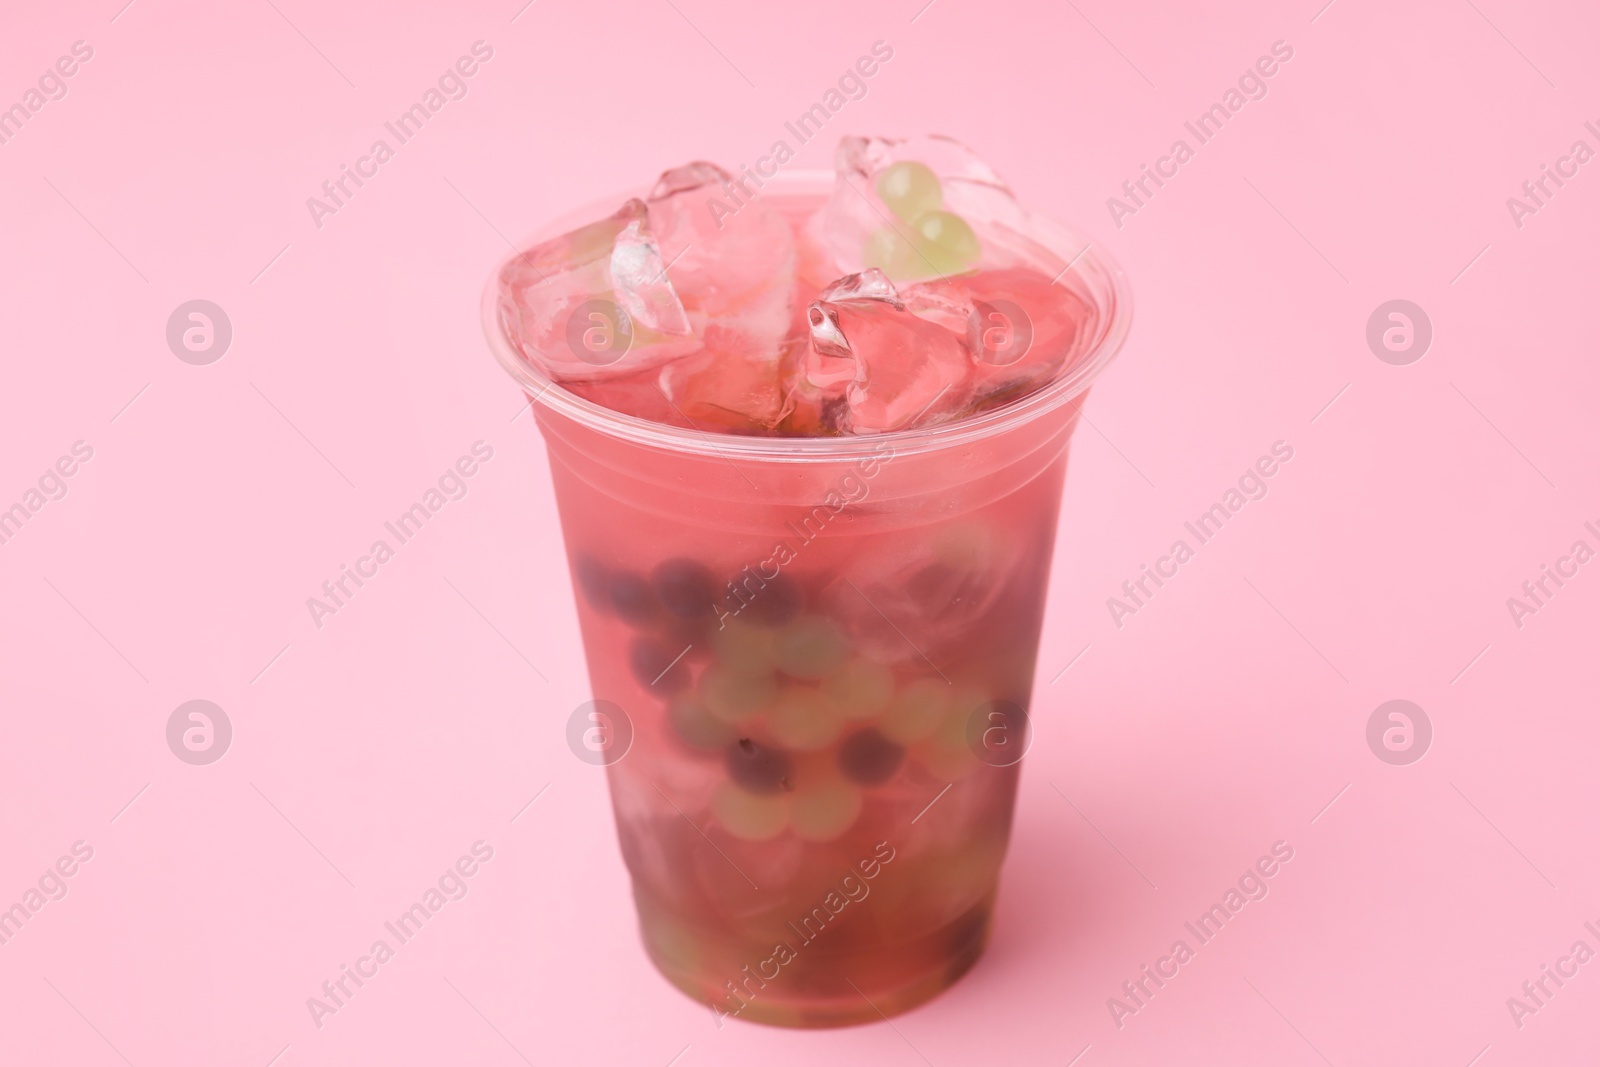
{"type": "Point", "coordinates": [822, 653]}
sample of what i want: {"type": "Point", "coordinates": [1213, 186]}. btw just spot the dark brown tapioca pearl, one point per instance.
{"type": "Point", "coordinates": [695, 632]}
{"type": "Point", "coordinates": [658, 666]}
{"type": "Point", "coordinates": [869, 758]}
{"type": "Point", "coordinates": [593, 579]}
{"type": "Point", "coordinates": [633, 599]}
{"type": "Point", "coordinates": [775, 602]}
{"type": "Point", "coordinates": [686, 588]}
{"type": "Point", "coordinates": [697, 639]}
{"type": "Point", "coordinates": [759, 769]}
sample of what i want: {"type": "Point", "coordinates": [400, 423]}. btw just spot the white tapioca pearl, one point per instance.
{"type": "Point", "coordinates": [810, 647]}
{"type": "Point", "coordinates": [736, 698]}
{"type": "Point", "coordinates": [803, 719]}
{"type": "Point", "coordinates": [824, 811]}
{"type": "Point", "coordinates": [861, 687]}
{"type": "Point", "coordinates": [909, 189]}
{"type": "Point", "coordinates": [917, 711]}
{"type": "Point", "coordinates": [748, 816]}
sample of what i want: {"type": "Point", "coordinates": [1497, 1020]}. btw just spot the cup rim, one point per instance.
{"type": "Point", "coordinates": [1102, 275]}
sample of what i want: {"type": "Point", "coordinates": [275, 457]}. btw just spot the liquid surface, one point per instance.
{"type": "Point", "coordinates": [909, 296]}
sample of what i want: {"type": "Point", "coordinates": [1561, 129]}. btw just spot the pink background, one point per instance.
{"type": "Point", "coordinates": [1225, 716]}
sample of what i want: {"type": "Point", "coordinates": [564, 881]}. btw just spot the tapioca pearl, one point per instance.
{"type": "Point", "coordinates": [825, 811]}
{"type": "Point", "coordinates": [947, 242]}
{"type": "Point", "coordinates": [686, 588]}
{"type": "Point", "coordinates": [749, 816]}
{"type": "Point", "coordinates": [686, 633]}
{"type": "Point", "coordinates": [773, 601]}
{"type": "Point", "coordinates": [869, 758]}
{"type": "Point", "coordinates": [861, 687]}
{"type": "Point", "coordinates": [909, 189]}
{"type": "Point", "coordinates": [895, 254]}
{"type": "Point", "coordinates": [759, 768]}
{"type": "Point", "coordinates": [658, 666]}
{"type": "Point", "coordinates": [633, 599]}
{"type": "Point", "coordinates": [593, 579]}
{"type": "Point", "coordinates": [743, 648]}
{"type": "Point", "coordinates": [810, 648]}
{"type": "Point", "coordinates": [917, 710]}
{"type": "Point", "coordinates": [966, 701]}
{"type": "Point", "coordinates": [803, 719]}
{"type": "Point", "coordinates": [696, 726]}
{"type": "Point", "coordinates": [736, 698]}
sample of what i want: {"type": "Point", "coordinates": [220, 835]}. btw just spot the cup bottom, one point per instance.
{"type": "Point", "coordinates": [840, 987]}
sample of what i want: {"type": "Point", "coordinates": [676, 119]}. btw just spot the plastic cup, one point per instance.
{"type": "Point", "coordinates": [825, 650]}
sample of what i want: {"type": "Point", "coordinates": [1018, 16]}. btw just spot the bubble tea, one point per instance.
{"type": "Point", "coordinates": [808, 440]}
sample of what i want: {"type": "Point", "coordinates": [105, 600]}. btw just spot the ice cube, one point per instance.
{"type": "Point", "coordinates": [637, 394]}
{"type": "Point", "coordinates": [907, 600]}
{"type": "Point", "coordinates": [731, 259]}
{"type": "Point", "coordinates": [918, 208]}
{"type": "Point", "coordinates": [891, 368]}
{"type": "Point", "coordinates": [1020, 328]}
{"type": "Point", "coordinates": [730, 390]}
{"type": "Point", "coordinates": [816, 265]}
{"type": "Point", "coordinates": [596, 302]}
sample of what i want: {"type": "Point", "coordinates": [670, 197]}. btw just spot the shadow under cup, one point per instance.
{"type": "Point", "coordinates": [822, 651]}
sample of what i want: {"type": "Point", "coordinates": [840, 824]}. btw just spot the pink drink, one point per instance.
{"type": "Point", "coordinates": [825, 646]}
